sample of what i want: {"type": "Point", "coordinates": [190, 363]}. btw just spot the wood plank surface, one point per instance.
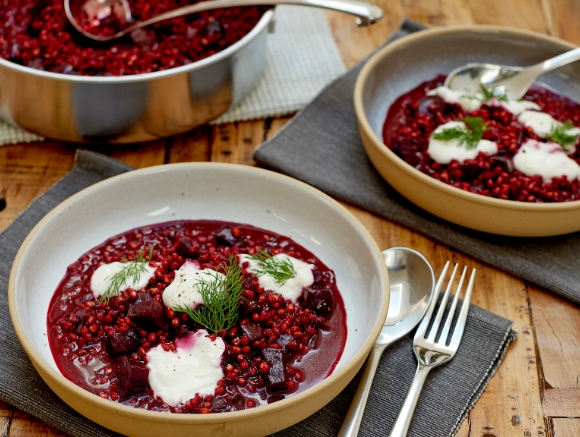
{"type": "Point", "coordinates": [536, 390]}
{"type": "Point", "coordinates": [566, 427]}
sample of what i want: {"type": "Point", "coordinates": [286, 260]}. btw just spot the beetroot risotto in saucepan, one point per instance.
{"type": "Point", "coordinates": [197, 317]}
{"type": "Point", "coordinates": [485, 143]}
{"type": "Point", "coordinates": [37, 34]}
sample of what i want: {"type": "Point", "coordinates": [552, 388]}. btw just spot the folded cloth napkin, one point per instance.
{"type": "Point", "coordinates": [302, 59]}
{"type": "Point", "coordinates": [322, 147]}
{"type": "Point", "coordinates": [448, 394]}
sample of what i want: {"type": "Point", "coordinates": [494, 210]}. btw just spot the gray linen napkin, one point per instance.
{"type": "Point", "coordinates": [322, 147]}
{"type": "Point", "coordinates": [448, 395]}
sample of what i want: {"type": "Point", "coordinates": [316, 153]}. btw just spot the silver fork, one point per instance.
{"type": "Point", "coordinates": [429, 352]}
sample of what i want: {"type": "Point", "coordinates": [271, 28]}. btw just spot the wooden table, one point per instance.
{"type": "Point", "coordinates": [536, 391]}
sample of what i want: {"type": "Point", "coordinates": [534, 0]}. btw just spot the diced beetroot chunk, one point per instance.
{"type": "Point", "coordinates": [248, 305]}
{"type": "Point", "coordinates": [132, 377]}
{"type": "Point", "coordinates": [218, 404]}
{"type": "Point", "coordinates": [275, 398]}
{"type": "Point", "coordinates": [431, 104]}
{"type": "Point", "coordinates": [284, 339]}
{"type": "Point", "coordinates": [253, 331]}
{"type": "Point", "coordinates": [276, 377]}
{"type": "Point", "coordinates": [225, 238]}
{"type": "Point", "coordinates": [143, 297]}
{"type": "Point", "coordinates": [321, 301]}
{"type": "Point", "coordinates": [149, 313]}
{"type": "Point", "coordinates": [226, 356]}
{"type": "Point", "coordinates": [318, 278]}
{"type": "Point", "coordinates": [238, 401]}
{"type": "Point", "coordinates": [186, 248]}
{"type": "Point", "coordinates": [122, 343]}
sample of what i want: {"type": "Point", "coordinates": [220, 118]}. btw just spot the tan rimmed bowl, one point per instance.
{"type": "Point", "coordinates": [403, 65]}
{"type": "Point", "coordinates": [200, 191]}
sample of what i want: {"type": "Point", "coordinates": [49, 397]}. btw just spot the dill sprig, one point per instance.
{"type": "Point", "coordinates": [221, 297]}
{"type": "Point", "coordinates": [280, 269]}
{"type": "Point", "coordinates": [494, 93]}
{"type": "Point", "coordinates": [468, 136]}
{"type": "Point", "coordinates": [560, 135]}
{"type": "Point", "coordinates": [131, 269]}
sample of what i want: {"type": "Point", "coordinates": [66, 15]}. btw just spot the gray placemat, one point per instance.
{"type": "Point", "coordinates": [448, 395]}
{"type": "Point", "coordinates": [322, 147]}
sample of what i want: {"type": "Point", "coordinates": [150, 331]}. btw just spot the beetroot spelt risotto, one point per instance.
{"type": "Point", "coordinates": [37, 34]}
{"type": "Point", "coordinates": [197, 317]}
{"type": "Point", "coordinates": [485, 143]}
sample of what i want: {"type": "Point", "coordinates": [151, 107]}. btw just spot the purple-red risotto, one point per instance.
{"type": "Point", "coordinates": [197, 317]}
{"type": "Point", "coordinates": [486, 143]}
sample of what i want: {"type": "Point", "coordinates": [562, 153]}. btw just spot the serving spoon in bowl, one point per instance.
{"type": "Point", "coordinates": [511, 81]}
{"type": "Point", "coordinates": [116, 14]}
{"type": "Point", "coordinates": [412, 284]}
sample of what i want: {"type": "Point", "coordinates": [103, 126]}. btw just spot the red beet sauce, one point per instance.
{"type": "Point", "coordinates": [414, 116]}
{"type": "Point", "coordinates": [276, 348]}
{"type": "Point", "coordinates": [37, 34]}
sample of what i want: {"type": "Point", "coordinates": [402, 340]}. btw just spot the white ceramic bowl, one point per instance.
{"type": "Point", "coordinates": [200, 191]}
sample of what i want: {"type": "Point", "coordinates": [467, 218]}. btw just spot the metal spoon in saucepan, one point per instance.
{"type": "Point", "coordinates": [511, 81]}
{"type": "Point", "coordinates": [412, 283]}
{"type": "Point", "coordinates": [116, 14]}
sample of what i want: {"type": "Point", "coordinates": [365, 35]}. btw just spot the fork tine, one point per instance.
{"type": "Point", "coordinates": [442, 306]}
{"type": "Point", "coordinates": [460, 326]}
{"type": "Point", "coordinates": [422, 329]}
{"type": "Point", "coordinates": [447, 326]}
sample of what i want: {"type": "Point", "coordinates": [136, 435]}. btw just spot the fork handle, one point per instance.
{"type": "Point", "coordinates": [403, 419]}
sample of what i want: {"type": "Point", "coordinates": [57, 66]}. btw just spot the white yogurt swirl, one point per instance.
{"type": "Point", "coordinates": [444, 152]}
{"type": "Point", "coordinates": [194, 368]}
{"type": "Point", "coordinates": [547, 160]}
{"type": "Point", "coordinates": [292, 288]}
{"type": "Point", "coordinates": [103, 277]}
{"type": "Point", "coordinates": [184, 290]}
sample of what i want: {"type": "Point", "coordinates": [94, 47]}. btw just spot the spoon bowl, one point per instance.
{"type": "Point", "coordinates": [513, 82]}
{"type": "Point", "coordinates": [411, 290]}
{"type": "Point", "coordinates": [106, 20]}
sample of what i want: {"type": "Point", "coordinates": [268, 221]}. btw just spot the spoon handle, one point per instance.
{"type": "Point", "coordinates": [366, 13]}
{"type": "Point", "coordinates": [560, 60]}
{"type": "Point", "coordinates": [352, 420]}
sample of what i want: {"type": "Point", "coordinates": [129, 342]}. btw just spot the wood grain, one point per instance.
{"type": "Point", "coordinates": [566, 427]}
{"type": "Point", "coordinates": [557, 322]}
{"type": "Point", "coordinates": [28, 171]}
{"type": "Point", "coordinates": [562, 402]}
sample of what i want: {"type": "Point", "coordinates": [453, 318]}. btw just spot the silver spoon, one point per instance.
{"type": "Point", "coordinates": [117, 13]}
{"type": "Point", "coordinates": [511, 81]}
{"type": "Point", "coordinates": [412, 283]}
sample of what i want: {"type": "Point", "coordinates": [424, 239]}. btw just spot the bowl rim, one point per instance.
{"type": "Point", "coordinates": [265, 20]}
{"type": "Point", "coordinates": [191, 419]}
{"type": "Point", "coordinates": [386, 152]}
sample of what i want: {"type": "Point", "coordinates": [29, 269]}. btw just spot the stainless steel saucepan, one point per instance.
{"type": "Point", "coordinates": [127, 109]}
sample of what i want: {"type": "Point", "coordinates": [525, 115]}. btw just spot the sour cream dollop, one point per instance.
{"type": "Point", "coordinates": [547, 160]}
{"type": "Point", "coordinates": [542, 124]}
{"type": "Point", "coordinates": [469, 102]}
{"type": "Point", "coordinates": [516, 107]}
{"type": "Point", "coordinates": [103, 277]}
{"type": "Point", "coordinates": [292, 288]}
{"type": "Point", "coordinates": [194, 368]}
{"type": "Point", "coordinates": [444, 152]}
{"type": "Point", "coordinates": [184, 290]}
